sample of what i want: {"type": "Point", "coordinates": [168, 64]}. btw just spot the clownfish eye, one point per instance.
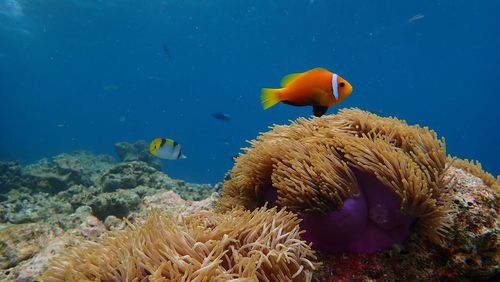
{"type": "Point", "coordinates": [342, 84]}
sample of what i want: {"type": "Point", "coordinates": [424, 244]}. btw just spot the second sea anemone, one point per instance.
{"type": "Point", "coordinates": [263, 245]}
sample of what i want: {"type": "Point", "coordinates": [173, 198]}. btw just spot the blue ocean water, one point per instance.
{"type": "Point", "coordinates": [87, 74]}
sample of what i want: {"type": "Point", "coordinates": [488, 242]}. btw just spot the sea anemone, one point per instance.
{"type": "Point", "coordinates": [360, 182]}
{"type": "Point", "coordinates": [263, 245]}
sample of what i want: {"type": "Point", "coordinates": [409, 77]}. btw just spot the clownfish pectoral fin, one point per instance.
{"type": "Point", "coordinates": [289, 78]}
{"type": "Point", "coordinates": [319, 110]}
{"type": "Point", "coordinates": [269, 97]}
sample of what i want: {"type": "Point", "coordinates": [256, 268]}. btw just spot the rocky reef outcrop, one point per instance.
{"type": "Point", "coordinates": [138, 151]}
{"type": "Point", "coordinates": [53, 188]}
{"type": "Point", "coordinates": [55, 174]}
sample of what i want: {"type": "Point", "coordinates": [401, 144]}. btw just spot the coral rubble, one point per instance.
{"type": "Point", "coordinates": [262, 245]}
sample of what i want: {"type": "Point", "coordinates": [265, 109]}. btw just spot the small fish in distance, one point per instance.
{"type": "Point", "coordinates": [166, 51]}
{"type": "Point", "coordinates": [416, 18]}
{"type": "Point", "coordinates": [222, 116]}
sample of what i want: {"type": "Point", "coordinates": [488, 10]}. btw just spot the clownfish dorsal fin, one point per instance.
{"type": "Point", "coordinates": [285, 81]}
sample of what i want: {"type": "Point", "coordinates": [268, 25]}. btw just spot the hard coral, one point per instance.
{"type": "Point", "coordinates": [359, 181]}
{"type": "Point", "coordinates": [472, 245]}
{"type": "Point", "coordinates": [475, 168]}
{"type": "Point", "coordinates": [263, 245]}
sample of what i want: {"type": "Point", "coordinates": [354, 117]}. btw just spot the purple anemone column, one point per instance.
{"type": "Point", "coordinates": [369, 222]}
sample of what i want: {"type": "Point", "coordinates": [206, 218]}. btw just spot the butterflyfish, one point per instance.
{"type": "Point", "coordinates": [319, 88]}
{"type": "Point", "coordinates": [164, 148]}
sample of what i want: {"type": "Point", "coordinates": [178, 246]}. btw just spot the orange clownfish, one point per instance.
{"type": "Point", "coordinates": [318, 87]}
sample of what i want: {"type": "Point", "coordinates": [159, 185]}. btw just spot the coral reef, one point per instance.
{"type": "Point", "coordinates": [472, 245]}
{"type": "Point", "coordinates": [55, 175]}
{"type": "Point", "coordinates": [475, 168]}
{"type": "Point", "coordinates": [23, 247]}
{"type": "Point", "coordinates": [132, 174]}
{"type": "Point", "coordinates": [19, 242]}
{"type": "Point", "coordinates": [167, 201]}
{"type": "Point", "coordinates": [358, 180]}
{"type": "Point", "coordinates": [92, 227]}
{"type": "Point", "coordinates": [11, 176]}
{"type": "Point", "coordinates": [95, 181]}
{"type": "Point", "coordinates": [23, 206]}
{"type": "Point", "coordinates": [132, 152]}
{"type": "Point", "coordinates": [135, 174]}
{"type": "Point", "coordinates": [138, 151]}
{"type": "Point", "coordinates": [26, 256]}
{"type": "Point", "coordinates": [32, 268]}
{"type": "Point", "coordinates": [58, 202]}
{"type": "Point", "coordinates": [261, 245]}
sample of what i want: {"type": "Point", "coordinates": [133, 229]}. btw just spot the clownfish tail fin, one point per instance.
{"type": "Point", "coordinates": [269, 97]}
